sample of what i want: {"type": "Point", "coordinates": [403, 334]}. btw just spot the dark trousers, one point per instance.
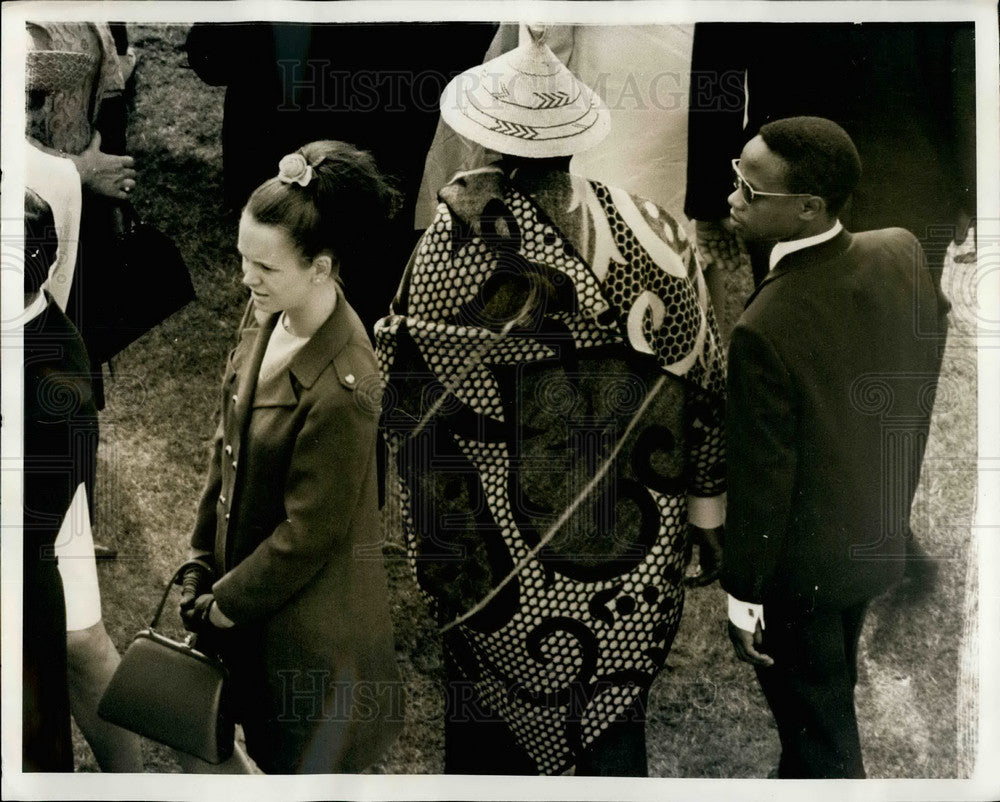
{"type": "Point", "coordinates": [478, 742]}
{"type": "Point", "coordinates": [810, 689]}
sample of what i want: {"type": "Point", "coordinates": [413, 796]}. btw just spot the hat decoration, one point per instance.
{"type": "Point", "coordinates": [294, 169]}
{"type": "Point", "coordinates": [526, 103]}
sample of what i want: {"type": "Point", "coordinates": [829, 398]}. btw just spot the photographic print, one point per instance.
{"type": "Point", "coordinates": [428, 400]}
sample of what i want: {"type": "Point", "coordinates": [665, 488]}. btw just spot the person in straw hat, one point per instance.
{"type": "Point", "coordinates": [553, 408]}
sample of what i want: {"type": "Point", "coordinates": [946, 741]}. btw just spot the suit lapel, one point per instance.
{"type": "Point", "coordinates": [779, 270]}
{"type": "Point", "coordinates": [803, 258]}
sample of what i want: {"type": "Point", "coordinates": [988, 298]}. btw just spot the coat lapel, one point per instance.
{"type": "Point", "coordinates": [249, 355]}
{"type": "Point", "coordinates": [275, 392]}
{"type": "Point", "coordinates": [328, 341]}
{"type": "Point", "coordinates": [806, 256]}
{"type": "Point", "coordinates": [305, 366]}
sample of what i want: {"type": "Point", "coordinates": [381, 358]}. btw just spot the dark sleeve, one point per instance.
{"type": "Point", "coordinates": [60, 425]}
{"type": "Point", "coordinates": [321, 501]}
{"type": "Point", "coordinates": [217, 52]}
{"type": "Point", "coordinates": [963, 72]}
{"type": "Point", "coordinates": [715, 117]}
{"type": "Point", "coordinates": [760, 445]}
{"type": "Point", "coordinates": [203, 537]}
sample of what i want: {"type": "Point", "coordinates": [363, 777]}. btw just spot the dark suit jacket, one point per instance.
{"type": "Point", "coordinates": [290, 514]}
{"type": "Point", "coordinates": [832, 374]}
{"type": "Point", "coordinates": [905, 92]}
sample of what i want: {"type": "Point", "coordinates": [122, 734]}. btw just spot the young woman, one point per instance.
{"type": "Point", "coordinates": [287, 584]}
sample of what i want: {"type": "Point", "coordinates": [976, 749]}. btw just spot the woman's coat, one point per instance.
{"type": "Point", "coordinates": [290, 513]}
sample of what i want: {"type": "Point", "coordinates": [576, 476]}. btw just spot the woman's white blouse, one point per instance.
{"type": "Point", "coordinates": [280, 349]}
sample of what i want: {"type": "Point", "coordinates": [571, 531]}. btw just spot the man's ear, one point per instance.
{"type": "Point", "coordinates": [813, 207]}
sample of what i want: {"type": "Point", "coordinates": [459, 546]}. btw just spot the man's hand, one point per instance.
{"type": "Point", "coordinates": [103, 173]}
{"type": "Point", "coordinates": [747, 645]}
{"type": "Point", "coordinates": [709, 542]}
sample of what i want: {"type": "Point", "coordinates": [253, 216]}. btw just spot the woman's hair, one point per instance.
{"type": "Point", "coordinates": [822, 160]}
{"type": "Point", "coordinates": [345, 206]}
{"type": "Point", "coordinates": [40, 241]}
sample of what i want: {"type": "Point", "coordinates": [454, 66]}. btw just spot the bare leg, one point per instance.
{"type": "Point", "coordinates": [91, 661]}
{"type": "Point", "coordinates": [239, 763]}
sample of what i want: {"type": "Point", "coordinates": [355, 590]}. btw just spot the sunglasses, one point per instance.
{"type": "Point", "coordinates": [750, 194]}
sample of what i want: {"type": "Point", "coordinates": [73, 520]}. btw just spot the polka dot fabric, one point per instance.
{"type": "Point", "coordinates": [535, 358]}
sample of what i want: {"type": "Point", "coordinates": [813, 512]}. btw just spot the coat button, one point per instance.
{"type": "Point", "coordinates": [229, 449]}
{"type": "Point", "coordinates": [235, 399]}
{"type": "Point", "coordinates": [349, 378]}
{"type": "Point", "coordinates": [222, 499]}
{"type": "Point", "coordinates": [234, 465]}
{"type": "Point", "coordinates": [227, 516]}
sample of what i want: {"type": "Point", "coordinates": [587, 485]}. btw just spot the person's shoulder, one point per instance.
{"type": "Point", "coordinates": [884, 247]}
{"type": "Point", "coordinates": [468, 192]}
{"type": "Point", "coordinates": [354, 363]}
{"type": "Point", "coordinates": [879, 235]}
{"type": "Point", "coordinates": [351, 376]}
{"type": "Point", "coordinates": [640, 213]}
{"type": "Point", "coordinates": [881, 238]}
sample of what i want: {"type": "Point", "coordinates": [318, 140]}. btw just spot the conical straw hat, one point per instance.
{"type": "Point", "coordinates": [526, 103]}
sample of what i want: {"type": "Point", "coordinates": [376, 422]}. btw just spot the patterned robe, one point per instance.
{"type": "Point", "coordinates": [554, 396]}
{"type": "Point", "coordinates": [71, 67]}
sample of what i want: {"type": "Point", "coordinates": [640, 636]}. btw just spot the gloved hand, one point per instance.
{"type": "Point", "coordinates": [196, 615]}
{"type": "Point", "coordinates": [196, 580]}
{"type": "Point", "coordinates": [709, 542]}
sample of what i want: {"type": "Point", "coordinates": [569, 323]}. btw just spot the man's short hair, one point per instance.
{"type": "Point", "coordinates": [822, 159]}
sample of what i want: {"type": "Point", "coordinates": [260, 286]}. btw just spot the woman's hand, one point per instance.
{"type": "Point", "coordinates": [204, 613]}
{"type": "Point", "coordinates": [195, 581]}
{"type": "Point", "coordinates": [103, 173]}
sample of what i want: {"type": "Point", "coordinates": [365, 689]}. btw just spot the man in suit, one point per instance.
{"type": "Point", "coordinates": [832, 372]}
{"type": "Point", "coordinates": [904, 92]}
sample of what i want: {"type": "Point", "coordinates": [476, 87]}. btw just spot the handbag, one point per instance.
{"type": "Point", "coordinates": [172, 693]}
{"type": "Point", "coordinates": [138, 281]}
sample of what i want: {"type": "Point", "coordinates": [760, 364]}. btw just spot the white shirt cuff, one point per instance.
{"type": "Point", "coordinates": [744, 614]}
{"type": "Point", "coordinates": [707, 512]}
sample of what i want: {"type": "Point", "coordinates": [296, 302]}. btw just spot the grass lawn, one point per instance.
{"type": "Point", "coordinates": [707, 716]}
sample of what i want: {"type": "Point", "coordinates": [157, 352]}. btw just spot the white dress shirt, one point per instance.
{"type": "Point", "coordinates": [782, 249]}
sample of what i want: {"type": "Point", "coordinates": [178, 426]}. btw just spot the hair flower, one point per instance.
{"type": "Point", "coordinates": [294, 169]}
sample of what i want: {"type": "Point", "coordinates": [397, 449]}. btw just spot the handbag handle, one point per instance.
{"type": "Point", "coordinates": [174, 580]}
